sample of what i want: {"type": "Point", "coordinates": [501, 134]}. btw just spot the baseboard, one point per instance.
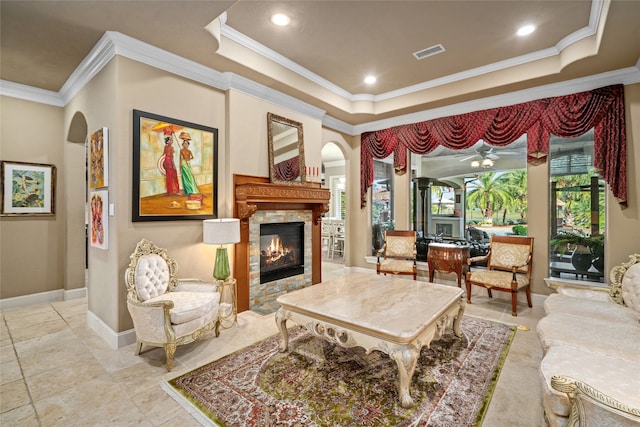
{"type": "Point", "coordinates": [42, 297]}
{"type": "Point", "coordinates": [115, 340]}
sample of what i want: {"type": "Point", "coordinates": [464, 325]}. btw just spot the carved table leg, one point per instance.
{"type": "Point", "coordinates": [281, 322]}
{"type": "Point", "coordinates": [458, 319]}
{"type": "Point", "coordinates": [406, 359]}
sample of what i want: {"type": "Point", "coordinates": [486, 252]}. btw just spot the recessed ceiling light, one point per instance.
{"type": "Point", "coordinates": [280, 19]}
{"type": "Point", "coordinates": [370, 80]}
{"type": "Point", "coordinates": [526, 30]}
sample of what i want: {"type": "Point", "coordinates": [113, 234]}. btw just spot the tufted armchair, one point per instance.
{"type": "Point", "coordinates": [398, 253]}
{"type": "Point", "coordinates": [167, 312]}
{"type": "Point", "coordinates": [508, 268]}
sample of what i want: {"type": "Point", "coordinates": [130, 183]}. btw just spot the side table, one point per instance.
{"type": "Point", "coordinates": [448, 258]}
{"type": "Point", "coordinates": [228, 302]}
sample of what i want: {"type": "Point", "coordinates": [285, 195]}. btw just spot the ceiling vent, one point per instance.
{"type": "Point", "coordinates": [430, 51]}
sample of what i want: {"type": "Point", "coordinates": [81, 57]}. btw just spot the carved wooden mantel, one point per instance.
{"type": "Point", "coordinates": [253, 193]}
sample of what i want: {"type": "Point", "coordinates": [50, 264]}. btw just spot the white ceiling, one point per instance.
{"type": "Point", "coordinates": [322, 57]}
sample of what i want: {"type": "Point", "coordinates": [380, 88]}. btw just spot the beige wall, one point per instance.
{"type": "Point", "coordinates": [32, 250]}
{"type": "Point", "coordinates": [35, 132]}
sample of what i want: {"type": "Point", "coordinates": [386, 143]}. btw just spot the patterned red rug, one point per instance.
{"type": "Point", "coordinates": [317, 383]}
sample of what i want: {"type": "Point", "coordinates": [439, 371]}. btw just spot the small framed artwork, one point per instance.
{"type": "Point", "coordinates": [27, 189]}
{"type": "Point", "coordinates": [99, 220]}
{"type": "Point", "coordinates": [175, 169]}
{"type": "Point", "coordinates": [99, 158]}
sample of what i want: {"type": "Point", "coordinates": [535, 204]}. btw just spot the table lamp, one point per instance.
{"type": "Point", "coordinates": [223, 231]}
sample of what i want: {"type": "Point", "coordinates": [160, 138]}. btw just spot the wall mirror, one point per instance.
{"type": "Point", "coordinates": [286, 150]}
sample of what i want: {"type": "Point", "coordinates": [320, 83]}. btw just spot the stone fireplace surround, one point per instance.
{"type": "Point", "coordinates": [262, 296]}
{"type": "Point", "coordinates": [253, 194]}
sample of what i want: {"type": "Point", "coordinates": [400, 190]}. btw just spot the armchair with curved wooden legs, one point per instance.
{"type": "Point", "coordinates": [508, 268]}
{"type": "Point", "coordinates": [167, 312]}
{"type": "Point", "coordinates": [398, 253]}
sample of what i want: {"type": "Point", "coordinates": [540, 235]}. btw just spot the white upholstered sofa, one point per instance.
{"type": "Point", "coordinates": [590, 372]}
{"type": "Point", "coordinates": [167, 312]}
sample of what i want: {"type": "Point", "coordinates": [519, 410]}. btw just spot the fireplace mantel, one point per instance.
{"type": "Point", "coordinates": [253, 193]}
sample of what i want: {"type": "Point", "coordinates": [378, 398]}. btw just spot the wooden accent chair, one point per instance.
{"type": "Point", "coordinates": [399, 253]}
{"type": "Point", "coordinates": [167, 312]}
{"type": "Point", "coordinates": [508, 268]}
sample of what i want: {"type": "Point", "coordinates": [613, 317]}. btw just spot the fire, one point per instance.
{"type": "Point", "coordinates": [275, 250]}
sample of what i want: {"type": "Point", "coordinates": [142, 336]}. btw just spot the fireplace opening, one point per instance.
{"type": "Point", "coordinates": [281, 250]}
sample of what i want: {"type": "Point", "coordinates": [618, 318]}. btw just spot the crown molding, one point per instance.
{"type": "Point", "coordinates": [30, 93]}
{"type": "Point", "coordinates": [265, 93]}
{"type": "Point", "coordinates": [114, 43]}
{"type": "Point", "coordinates": [597, 16]}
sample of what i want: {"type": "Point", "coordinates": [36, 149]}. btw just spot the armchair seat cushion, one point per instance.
{"type": "Point", "coordinates": [608, 375]}
{"type": "Point", "coordinates": [497, 278]}
{"type": "Point", "coordinates": [606, 311]}
{"type": "Point", "coordinates": [396, 265]}
{"type": "Point", "coordinates": [188, 328]}
{"type": "Point", "coordinates": [189, 305]}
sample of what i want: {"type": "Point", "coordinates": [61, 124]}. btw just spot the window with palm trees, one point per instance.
{"type": "Point", "coordinates": [578, 218]}
{"type": "Point", "coordinates": [499, 197]}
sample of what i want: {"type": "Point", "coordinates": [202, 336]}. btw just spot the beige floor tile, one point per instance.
{"type": "Point", "coordinates": [53, 381]}
{"type": "Point", "coordinates": [27, 314]}
{"type": "Point", "coordinates": [23, 416]}
{"type": "Point", "coordinates": [182, 419]}
{"type": "Point", "coordinates": [7, 352]}
{"type": "Point", "coordinates": [13, 395]}
{"type": "Point", "coordinates": [35, 330]}
{"type": "Point", "coordinates": [156, 405]}
{"type": "Point", "coordinates": [58, 355]}
{"type": "Point", "coordinates": [100, 398]}
{"type": "Point", "coordinates": [10, 371]}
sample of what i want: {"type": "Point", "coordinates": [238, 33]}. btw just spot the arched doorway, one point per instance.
{"type": "Point", "coordinates": [334, 178]}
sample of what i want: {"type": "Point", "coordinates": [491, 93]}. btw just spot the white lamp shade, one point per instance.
{"type": "Point", "coordinates": [221, 231]}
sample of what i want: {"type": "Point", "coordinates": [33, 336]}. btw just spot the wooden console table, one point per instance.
{"type": "Point", "coordinates": [448, 258]}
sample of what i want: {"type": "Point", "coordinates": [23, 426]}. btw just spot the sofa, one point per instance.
{"type": "Point", "coordinates": [590, 372]}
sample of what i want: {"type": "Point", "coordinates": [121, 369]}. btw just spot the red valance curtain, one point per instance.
{"type": "Point", "coordinates": [565, 116]}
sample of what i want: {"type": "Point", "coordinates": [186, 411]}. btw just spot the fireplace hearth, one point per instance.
{"type": "Point", "coordinates": [281, 250]}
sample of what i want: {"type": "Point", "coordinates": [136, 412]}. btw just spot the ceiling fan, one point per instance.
{"type": "Point", "coordinates": [484, 156]}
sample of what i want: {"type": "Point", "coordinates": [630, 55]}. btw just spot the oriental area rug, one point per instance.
{"type": "Point", "coordinates": [317, 383]}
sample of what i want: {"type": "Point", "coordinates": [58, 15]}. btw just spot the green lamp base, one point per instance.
{"type": "Point", "coordinates": [221, 269]}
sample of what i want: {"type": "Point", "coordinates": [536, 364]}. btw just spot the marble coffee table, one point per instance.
{"type": "Point", "coordinates": [385, 313]}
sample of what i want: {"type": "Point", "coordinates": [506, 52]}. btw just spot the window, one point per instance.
{"type": "Point", "coordinates": [338, 209]}
{"type": "Point", "coordinates": [381, 201]}
{"type": "Point", "coordinates": [578, 214]}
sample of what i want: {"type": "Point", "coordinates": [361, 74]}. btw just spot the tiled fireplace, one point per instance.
{"type": "Point", "coordinates": [262, 205]}
{"type": "Point", "coordinates": [280, 257]}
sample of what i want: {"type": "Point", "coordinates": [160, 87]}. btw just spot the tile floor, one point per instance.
{"type": "Point", "coordinates": [55, 371]}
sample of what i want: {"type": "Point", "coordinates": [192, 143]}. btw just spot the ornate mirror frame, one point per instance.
{"type": "Point", "coordinates": [286, 150]}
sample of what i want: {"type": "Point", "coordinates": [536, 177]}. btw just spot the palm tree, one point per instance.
{"type": "Point", "coordinates": [489, 192]}
{"type": "Point", "coordinates": [517, 185]}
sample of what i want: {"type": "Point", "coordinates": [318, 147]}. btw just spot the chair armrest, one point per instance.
{"type": "Point", "coordinates": [196, 285]}
{"type": "Point", "coordinates": [590, 406]}
{"type": "Point", "coordinates": [584, 290]}
{"type": "Point", "coordinates": [152, 321]}
{"type": "Point", "coordinates": [477, 258]}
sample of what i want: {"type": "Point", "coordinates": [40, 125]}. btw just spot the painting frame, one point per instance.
{"type": "Point", "coordinates": [99, 219]}
{"type": "Point", "coordinates": [175, 169]}
{"type": "Point", "coordinates": [27, 189]}
{"type": "Point", "coordinates": [99, 158]}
